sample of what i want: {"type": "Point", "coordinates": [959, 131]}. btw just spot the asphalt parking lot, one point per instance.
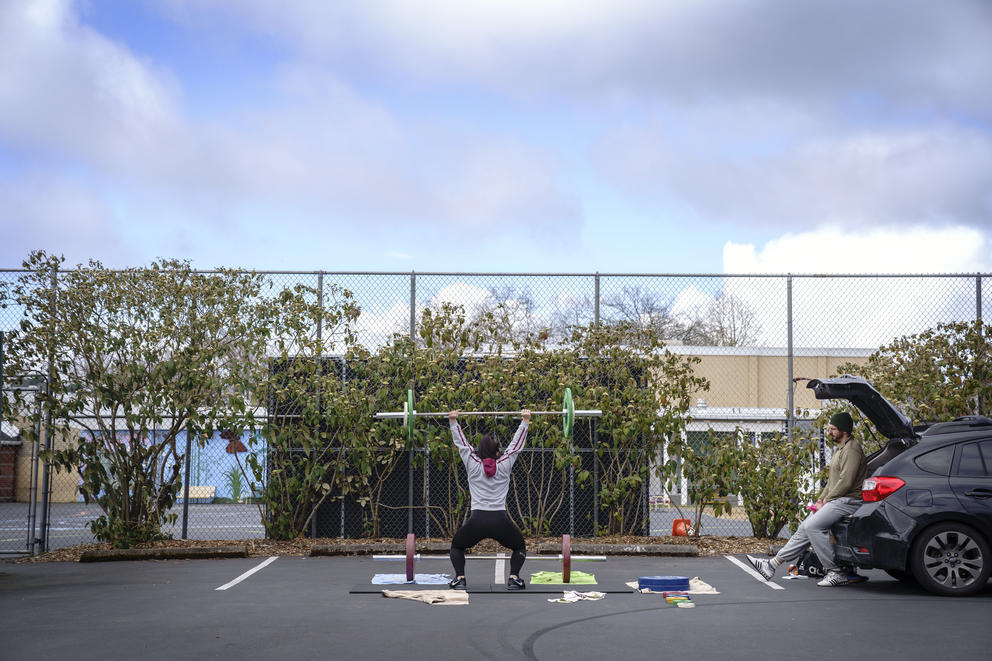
{"type": "Point", "coordinates": [307, 607]}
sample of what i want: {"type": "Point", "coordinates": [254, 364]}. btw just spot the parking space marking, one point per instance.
{"type": "Point", "coordinates": [750, 570]}
{"type": "Point", "coordinates": [248, 573]}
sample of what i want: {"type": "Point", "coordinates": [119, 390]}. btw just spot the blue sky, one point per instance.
{"type": "Point", "coordinates": [733, 136]}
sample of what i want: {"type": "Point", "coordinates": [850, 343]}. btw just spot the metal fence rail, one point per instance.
{"type": "Point", "coordinates": [753, 334]}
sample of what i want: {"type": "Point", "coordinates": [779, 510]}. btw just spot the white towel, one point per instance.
{"type": "Point", "coordinates": [571, 596]}
{"type": "Point", "coordinates": [438, 597]}
{"type": "Point", "coordinates": [418, 579]}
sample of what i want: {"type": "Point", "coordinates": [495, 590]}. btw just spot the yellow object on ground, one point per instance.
{"type": "Point", "coordinates": [555, 578]}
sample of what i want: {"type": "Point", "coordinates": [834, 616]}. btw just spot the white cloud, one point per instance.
{"type": "Point", "coordinates": [691, 303]}
{"type": "Point", "coordinates": [832, 249]}
{"type": "Point", "coordinates": [754, 48]}
{"type": "Point", "coordinates": [461, 293]}
{"type": "Point", "coordinates": [750, 171]}
{"type": "Point", "coordinates": [67, 89]}
{"type": "Point", "coordinates": [832, 312]}
{"type": "Point", "coordinates": [56, 215]}
{"type": "Point", "coordinates": [76, 98]}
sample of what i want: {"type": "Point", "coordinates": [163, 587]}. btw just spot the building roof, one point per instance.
{"type": "Point", "coordinates": [826, 352]}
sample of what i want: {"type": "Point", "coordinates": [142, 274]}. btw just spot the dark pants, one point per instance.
{"type": "Point", "coordinates": [485, 524]}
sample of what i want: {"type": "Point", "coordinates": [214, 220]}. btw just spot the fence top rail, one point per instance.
{"type": "Point", "coordinates": [572, 275]}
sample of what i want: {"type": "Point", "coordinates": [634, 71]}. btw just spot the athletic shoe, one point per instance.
{"type": "Point", "coordinates": [458, 584]}
{"type": "Point", "coordinates": [515, 584]}
{"type": "Point", "coordinates": [833, 578]}
{"type": "Point", "coordinates": [764, 567]}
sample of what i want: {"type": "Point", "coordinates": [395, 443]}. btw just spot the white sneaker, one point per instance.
{"type": "Point", "coordinates": [833, 578]}
{"type": "Point", "coordinates": [764, 567]}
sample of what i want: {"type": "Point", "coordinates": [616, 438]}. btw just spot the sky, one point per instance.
{"type": "Point", "coordinates": [646, 136]}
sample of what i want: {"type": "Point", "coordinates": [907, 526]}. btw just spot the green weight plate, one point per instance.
{"type": "Point", "coordinates": [410, 417]}
{"type": "Point", "coordinates": [568, 413]}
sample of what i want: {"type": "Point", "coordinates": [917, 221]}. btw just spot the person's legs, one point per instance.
{"type": "Point", "coordinates": [818, 529]}
{"type": "Point", "coordinates": [791, 551]}
{"type": "Point", "coordinates": [468, 535]}
{"type": "Point", "coordinates": [819, 536]}
{"type": "Point", "coordinates": [510, 536]}
{"type": "Point", "coordinates": [796, 544]}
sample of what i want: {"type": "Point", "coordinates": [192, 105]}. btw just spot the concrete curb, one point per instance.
{"type": "Point", "coordinates": [356, 549]}
{"type": "Point", "coordinates": [195, 553]}
{"type": "Point", "coordinates": [591, 548]}
{"type": "Point", "coordinates": [580, 548]}
{"type": "Point", "coordinates": [439, 548]}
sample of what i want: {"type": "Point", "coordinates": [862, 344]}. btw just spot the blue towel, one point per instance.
{"type": "Point", "coordinates": [418, 579]}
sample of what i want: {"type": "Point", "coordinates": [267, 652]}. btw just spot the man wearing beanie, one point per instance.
{"type": "Point", "coordinates": [840, 498]}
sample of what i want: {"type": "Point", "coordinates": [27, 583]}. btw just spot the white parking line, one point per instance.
{"type": "Point", "coordinates": [248, 573]}
{"type": "Point", "coordinates": [750, 570]}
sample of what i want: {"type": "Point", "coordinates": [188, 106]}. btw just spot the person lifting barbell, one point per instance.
{"type": "Point", "coordinates": [488, 482]}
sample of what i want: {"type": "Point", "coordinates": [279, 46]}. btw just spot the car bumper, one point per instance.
{"type": "Point", "coordinates": [880, 535]}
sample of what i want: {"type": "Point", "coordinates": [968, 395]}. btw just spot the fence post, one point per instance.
{"type": "Point", "coordinates": [979, 404]}
{"type": "Point", "coordinates": [189, 455]}
{"type": "Point", "coordinates": [595, 480]}
{"type": "Point", "coordinates": [46, 481]}
{"type": "Point", "coordinates": [789, 383]}
{"type": "Point", "coordinates": [409, 470]}
{"type": "Point", "coordinates": [978, 297]}
{"type": "Point", "coordinates": [320, 370]}
{"type": "Point", "coordinates": [596, 304]}
{"type": "Point", "coordinates": [33, 490]}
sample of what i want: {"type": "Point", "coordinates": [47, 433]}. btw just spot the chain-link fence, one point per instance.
{"type": "Point", "coordinates": [752, 335]}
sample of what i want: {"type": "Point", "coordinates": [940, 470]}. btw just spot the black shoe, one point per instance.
{"type": "Point", "coordinates": [458, 584]}
{"type": "Point", "coordinates": [515, 584]}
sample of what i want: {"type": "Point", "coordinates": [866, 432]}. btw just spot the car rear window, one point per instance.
{"type": "Point", "coordinates": [936, 461]}
{"type": "Point", "coordinates": [976, 459]}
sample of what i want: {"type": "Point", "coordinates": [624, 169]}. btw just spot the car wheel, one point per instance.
{"type": "Point", "coordinates": [902, 575]}
{"type": "Point", "coordinates": [951, 559]}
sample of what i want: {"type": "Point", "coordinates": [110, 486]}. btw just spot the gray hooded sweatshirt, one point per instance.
{"type": "Point", "coordinates": [488, 493]}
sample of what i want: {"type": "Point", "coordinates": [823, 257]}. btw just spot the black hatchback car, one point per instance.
{"type": "Point", "coordinates": [927, 512]}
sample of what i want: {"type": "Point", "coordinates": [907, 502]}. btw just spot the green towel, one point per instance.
{"type": "Point", "coordinates": [554, 578]}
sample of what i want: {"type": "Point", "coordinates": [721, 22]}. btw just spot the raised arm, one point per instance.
{"type": "Point", "coordinates": [458, 438]}
{"type": "Point", "coordinates": [519, 438]}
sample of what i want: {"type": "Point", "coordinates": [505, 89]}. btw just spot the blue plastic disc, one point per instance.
{"type": "Point", "coordinates": [658, 583]}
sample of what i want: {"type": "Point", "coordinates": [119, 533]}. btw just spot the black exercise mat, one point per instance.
{"type": "Point", "coordinates": [488, 588]}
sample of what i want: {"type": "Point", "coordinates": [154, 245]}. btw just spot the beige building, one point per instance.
{"type": "Point", "coordinates": [64, 486]}
{"type": "Point", "coordinates": [758, 377]}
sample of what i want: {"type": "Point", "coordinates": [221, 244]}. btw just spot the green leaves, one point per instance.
{"type": "Point", "coordinates": [935, 375]}
{"type": "Point", "coordinates": [133, 358]}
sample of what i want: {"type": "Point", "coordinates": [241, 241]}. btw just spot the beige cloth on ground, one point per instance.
{"type": "Point", "coordinates": [434, 597]}
{"type": "Point", "coordinates": [696, 586]}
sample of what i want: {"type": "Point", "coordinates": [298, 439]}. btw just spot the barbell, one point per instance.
{"type": "Point", "coordinates": [565, 557]}
{"type": "Point", "coordinates": [409, 413]}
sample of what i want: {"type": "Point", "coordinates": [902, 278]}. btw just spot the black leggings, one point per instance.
{"type": "Point", "coordinates": [486, 524]}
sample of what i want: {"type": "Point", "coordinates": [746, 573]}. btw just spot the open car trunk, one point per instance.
{"type": "Point", "coordinates": [887, 419]}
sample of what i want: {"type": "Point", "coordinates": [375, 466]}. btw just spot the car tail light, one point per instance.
{"type": "Point", "coordinates": [879, 488]}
